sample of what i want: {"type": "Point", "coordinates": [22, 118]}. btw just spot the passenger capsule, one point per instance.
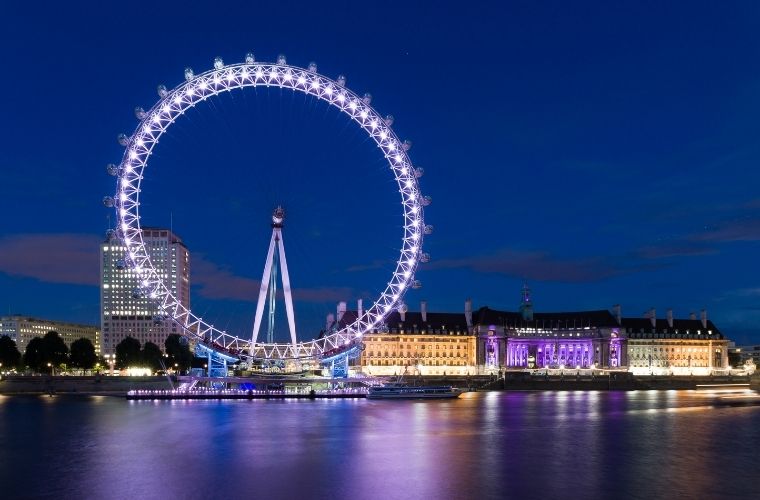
{"type": "Point", "coordinates": [389, 120]}
{"type": "Point", "coordinates": [341, 81]}
{"type": "Point", "coordinates": [407, 145]}
{"type": "Point", "coordinates": [428, 229]}
{"type": "Point", "coordinates": [419, 172]}
{"type": "Point", "coordinates": [137, 293]}
{"type": "Point", "coordinates": [110, 234]}
{"type": "Point", "coordinates": [189, 73]}
{"type": "Point", "coordinates": [108, 201]}
{"type": "Point", "coordinates": [367, 98]}
{"type": "Point", "coordinates": [162, 92]}
{"type": "Point", "coordinates": [416, 284]}
{"type": "Point", "coordinates": [140, 113]}
{"type": "Point", "coordinates": [158, 319]}
{"type": "Point", "coordinates": [313, 67]}
{"type": "Point", "coordinates": [424, 258]}
{"type": "Point", "coordinates": [426, 201]}
{"type": "Point", "coordinates": [249, 59]}
{"type": "Point", "coordinates": [112, 169]}
{"type": "Point", "coordinates": [121, 264]}
{"type": "Point", "coordinates": [282, 60]}
{"type": "Point", "coordinates": [123, 139]}
{"type": "Point", "coordinates": [218, 63]}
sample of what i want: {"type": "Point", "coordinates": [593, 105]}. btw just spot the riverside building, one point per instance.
{"type": "Point", "coordinates": [525, 339]}
{"type": "Point", "coordinates": [658, 346]}
{"type": "Point", "coordinates": [22, 329]}
{"type": "Point", "coordinates": [416, 343]}
{"type": "Point", "coordinates": [599, 339]}
{"type": "Point", "coordinates": [125, 311]}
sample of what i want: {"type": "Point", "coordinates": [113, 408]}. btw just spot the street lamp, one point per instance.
{"type": "Point", "coordinates": [52, 370]}
{"type": "Point", "coordinates": [110, 359]}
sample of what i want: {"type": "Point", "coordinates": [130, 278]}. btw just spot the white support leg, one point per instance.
{"type": "Point", "coordinates": [263, 290]}
{"type": "Point", "coordinates": [286, 290]}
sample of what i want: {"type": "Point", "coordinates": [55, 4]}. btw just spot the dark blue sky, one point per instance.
{"type": "Point", "coordinates": [605, 153]}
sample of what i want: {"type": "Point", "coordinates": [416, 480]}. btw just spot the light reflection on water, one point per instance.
{"type": "Point", "coordinates": [566, 444]}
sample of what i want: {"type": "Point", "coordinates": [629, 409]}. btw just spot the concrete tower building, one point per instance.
{"type": "Point", "coordinates": [123, 312]}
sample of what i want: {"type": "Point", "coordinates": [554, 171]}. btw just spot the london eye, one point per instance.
{"type": "Point", "coordinates": [195, 90]}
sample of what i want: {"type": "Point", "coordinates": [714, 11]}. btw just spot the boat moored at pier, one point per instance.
{"type": "Point", "coordinates": [397, 391]}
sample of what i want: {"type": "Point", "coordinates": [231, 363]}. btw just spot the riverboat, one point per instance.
{"type": "Point", "coordinates": [398, 391]}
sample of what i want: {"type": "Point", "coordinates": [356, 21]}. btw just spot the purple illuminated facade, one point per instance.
{"type": "Point", "coordinates": [528, 340]}
{"type": "Point", "coordinates": [549, 353]}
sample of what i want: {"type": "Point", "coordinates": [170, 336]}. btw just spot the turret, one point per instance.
{"type": "Point", "coordinates": [526, 304]}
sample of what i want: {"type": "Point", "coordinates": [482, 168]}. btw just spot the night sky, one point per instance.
{"type": "Point", "coordinates": [606, 152]}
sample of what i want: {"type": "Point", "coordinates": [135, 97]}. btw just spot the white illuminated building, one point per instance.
{"type": "Point", "coordinates": [22, 329]}
{"type": "Point", "coordinates": [125, 308]}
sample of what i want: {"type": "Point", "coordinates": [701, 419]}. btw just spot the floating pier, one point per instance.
{"type": "Point", "coordinates": [216, 394]}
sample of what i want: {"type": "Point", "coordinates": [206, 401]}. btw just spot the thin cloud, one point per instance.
{"type": "Point", "coordinates": [323, 294]}
{"type": "Point", "coordinates": [746, 293]}
{"type": "Point", "coordinates": [737, 230]}
{"type": "Point", "coordinates": [375, 264]}
{"type": "Point", "coordinates": [216, 282]}
{"type": "Point", "coordinates": [675, 250]}
{"type": "Point", "coordinates": [542, 266]}
{"type": "Point", "coordinates": [726, 223]}
{"type": "Point", "coordinates": [65, 258]}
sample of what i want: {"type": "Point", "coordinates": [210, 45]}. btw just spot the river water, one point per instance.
{"type": "Point", "coordinates": [585, 444]}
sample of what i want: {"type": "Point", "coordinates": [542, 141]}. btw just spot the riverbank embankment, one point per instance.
{"type": "Point", "coordinates": [96, 384]}
{"type": "Point", "coordinates": [121, 385]}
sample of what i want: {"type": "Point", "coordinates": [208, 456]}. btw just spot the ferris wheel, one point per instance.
{"type": "Point", "coordinates": [172, 104]}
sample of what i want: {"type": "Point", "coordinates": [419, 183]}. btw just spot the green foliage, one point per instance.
{"type": "Point", "coordinates": [34, 356]}
{"type": "Point", "coordinates": [55, 349]}
{"type": "Point", "coordinates": [49, 349]}
{"type": "Point", "coordinates": [128, 353]}
{"type": "Point", "coordinates": [9, 354]}
{"type": "Point", "coordinates": [83, 354]}
{"type": "Point", "coordinates": [178, 352]}
{"type": "Point", "coordinates": [151, 356]}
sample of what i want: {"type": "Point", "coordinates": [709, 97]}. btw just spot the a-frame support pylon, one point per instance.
{"type": "Point", "coordinates": [275, 247]}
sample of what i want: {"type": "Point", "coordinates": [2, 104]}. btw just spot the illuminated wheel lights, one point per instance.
{"type": "Point", "coordinates": [223, 78]}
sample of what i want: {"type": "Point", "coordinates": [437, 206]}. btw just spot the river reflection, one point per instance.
{"type": "Point", "coordinates": [582, 444]}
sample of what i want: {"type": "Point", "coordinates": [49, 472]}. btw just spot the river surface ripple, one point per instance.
{"type": "Point", "coordinates": [566, 444]}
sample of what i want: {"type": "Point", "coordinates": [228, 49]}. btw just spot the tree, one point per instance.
{"type": "Point", "coordinates": [151, 356]}
{"type": "Point", "coordinates": [128, 352]}
{"type": "Point", "coordinates": [178, 352]}
{"type": "Point", "coordinates": [83, 354]}
{"type": "Point", "coordinates": [55, 350]}
{"type": "Point", "coordinates": [48, 350]}
{"type": "Point", "coordinates": [9, 355]}
{"type": "Point", "coordinates": [34, 356]}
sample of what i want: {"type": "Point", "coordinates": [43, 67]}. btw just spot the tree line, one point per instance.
{"type": "Point", "coordinates": [49, 353]}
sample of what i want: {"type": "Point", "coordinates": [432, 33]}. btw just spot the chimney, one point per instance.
{"type": "Point", "coordinates": [402, 312]}
{"type": "Point", "coordinates": [618, 312]}
{"type": "Point", "coordinates": [330, 322]}
{"type": "Point", "coordinates": [359, 308]}
{"type": "Point", "coordinates": [468, 312]}
{"type": "Point", "coordinates": [703, 317]}
{"type": "Point", "coordinates": [670, 318]}
{"type": "Point", "coordinates": [652, 314]}
{"type": "Point", "coordinates": [692, 316]}
{"type": "Point", "coordinates": [341, 310]}
{"type": "Point", "coordinates": [423, 310]}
